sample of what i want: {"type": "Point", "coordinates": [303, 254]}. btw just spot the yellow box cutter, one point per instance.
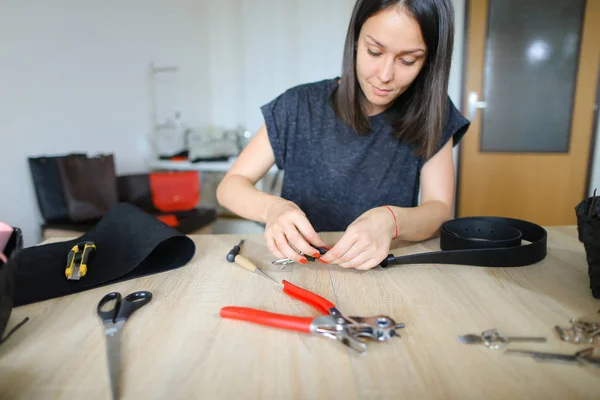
{"type": "Point", "coordinates": [78, 259]}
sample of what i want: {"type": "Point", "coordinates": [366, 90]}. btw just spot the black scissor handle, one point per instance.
{"type": "Point", "coordinates": [108, 307]}
{"type": "Point", "coordinates": [131, 303]}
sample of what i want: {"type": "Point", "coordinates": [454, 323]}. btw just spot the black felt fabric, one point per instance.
{"type": "Point", "coordinates": [129, 244]}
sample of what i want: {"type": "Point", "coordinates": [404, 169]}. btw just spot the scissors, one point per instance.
{"type": "Point", "coordinates": [114, 310]}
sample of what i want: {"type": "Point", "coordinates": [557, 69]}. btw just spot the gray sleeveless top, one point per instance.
{"type": "Point", "coordinates": [333, 174]}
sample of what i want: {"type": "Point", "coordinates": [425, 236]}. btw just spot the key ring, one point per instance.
{"type": "Point", "coordinates": [282, 263]}
{"type": "Point", "coordinates": [493, 340]}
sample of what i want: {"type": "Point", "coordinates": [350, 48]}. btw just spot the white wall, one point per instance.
{"type": "Point", "coordinates": [261, 48]}
{"type": "Point", "coordinates": [74, 74]}
{"type": "Point", "coordinates": [455, 86]}
{"type": "Point", "coordinates": [74, 77]}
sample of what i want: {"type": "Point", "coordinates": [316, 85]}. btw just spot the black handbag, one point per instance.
{"type": "Point", "coordinates": [135, 189]}
{"type": "Point", "coordinates": [49, 188]}
{"type": "Point", "coordinates": [90, 186]}
{"type": "Point", "coordinates": [74, 187]}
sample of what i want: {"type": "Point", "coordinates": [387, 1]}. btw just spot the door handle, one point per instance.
{"type": "Point", "coordinates": [474, 105]}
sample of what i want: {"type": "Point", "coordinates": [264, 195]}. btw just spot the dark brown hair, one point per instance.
{"type": "Point", "coordinates": [418, 114]}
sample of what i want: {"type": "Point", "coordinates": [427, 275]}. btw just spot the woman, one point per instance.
{"type": "Point", "coordinates": [357, 149]}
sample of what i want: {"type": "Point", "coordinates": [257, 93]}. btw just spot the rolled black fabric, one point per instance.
{"type": "Point", "coordinates": [483, 241]}
{"type": "Point", "coordinates": [129, 244]}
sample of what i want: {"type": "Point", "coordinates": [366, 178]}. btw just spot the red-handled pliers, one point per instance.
{"type": "Point", "coordinates": [333, 324]}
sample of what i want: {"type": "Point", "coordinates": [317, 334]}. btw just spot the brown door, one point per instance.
{"type": "Point", "coordinates": [531, 77]}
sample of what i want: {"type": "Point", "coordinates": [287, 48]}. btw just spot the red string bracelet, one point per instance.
{"type": "Point", "coordinates": [395, 221]}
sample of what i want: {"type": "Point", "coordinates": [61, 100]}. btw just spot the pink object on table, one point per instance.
{"type": "Point", "coordinates": [5, 233]}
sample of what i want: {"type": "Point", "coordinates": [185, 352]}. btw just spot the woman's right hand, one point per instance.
{"type": "Point", "coordinates": [287, 224]}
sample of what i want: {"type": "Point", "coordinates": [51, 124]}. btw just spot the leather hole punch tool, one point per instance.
{"type": "Point", "coordinates": [333, 324]}
{"type": "Point", "coordinates": [78, 259]}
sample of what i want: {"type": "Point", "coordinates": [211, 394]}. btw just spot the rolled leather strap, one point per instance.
{"type": "Point", "coordinates": [483, 241]}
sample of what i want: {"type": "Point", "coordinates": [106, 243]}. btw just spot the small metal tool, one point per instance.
{"type": "Point", "coordinates": [583, 357]}
{"type": "Point", "coordinates": [582, 330]}
{"type": "Point", "coordinates": [235, 256]}
{"type": "Point", "coordinates": [494, 340]}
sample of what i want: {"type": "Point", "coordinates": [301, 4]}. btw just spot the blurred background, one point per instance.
{"type": "Point", "coordinates": [170, 87]}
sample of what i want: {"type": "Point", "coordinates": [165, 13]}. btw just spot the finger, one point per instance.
{"type": "Point", "coordinates": [369, 264]}
{"type": "Point", "coordinates": [297, 242]}
{"type": "Point", "coordinates": [272, 246]}
{"type": "Point", "coordinates": [352, 252]}
{"type": "Point", "coordinates": [309, 233]}
{"type": "Point", "coordinates": [357, 261]}
{"type": "Point", "coordinates": [286, 249]}
{"type": "Point", "coordinates": [340, 248]}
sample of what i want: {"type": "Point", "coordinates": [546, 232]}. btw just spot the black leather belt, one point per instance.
{"type": "Point", "coordinates": [483, 241]}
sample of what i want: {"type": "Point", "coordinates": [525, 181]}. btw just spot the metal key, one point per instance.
{"type": "Point", "coordinates": [494, 340]}
{"type": "Point", "coordinates": [583, 357]}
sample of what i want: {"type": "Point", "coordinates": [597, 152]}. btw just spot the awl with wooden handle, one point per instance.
{"type": "Point", "coordinates": [235, 256]}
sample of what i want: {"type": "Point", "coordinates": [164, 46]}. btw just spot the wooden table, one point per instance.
{"type": "Point", "coordinates": [178, 347]}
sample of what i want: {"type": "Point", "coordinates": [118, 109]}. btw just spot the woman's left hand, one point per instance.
{"type": "Point", "coordinates": [365, 243]}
